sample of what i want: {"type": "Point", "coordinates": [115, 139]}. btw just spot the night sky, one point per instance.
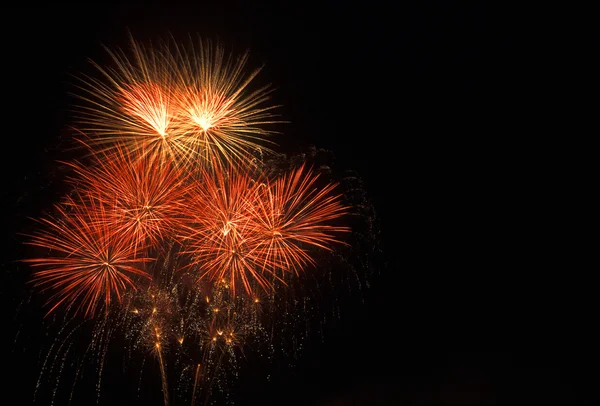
{"type": "Point", "coordinates": [480, 293]}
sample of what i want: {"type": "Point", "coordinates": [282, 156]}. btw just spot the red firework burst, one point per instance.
{"type": "Point", "coordinates": [291, 214]}
{"type": "Point", "coordinates": [247, 231]}
{"type": "Point", "coordinates": [88, 264]}
{"type": "Point", "coordinates": [144, 196]}
{"type": "Point", "coordinates": [219, 236]}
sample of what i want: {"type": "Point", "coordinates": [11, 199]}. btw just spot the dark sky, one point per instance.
{"type": "Point", "coordinates": [483, 294]}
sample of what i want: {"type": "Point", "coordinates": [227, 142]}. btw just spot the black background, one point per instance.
{"type": "Point", "coordinates": [444, 109]}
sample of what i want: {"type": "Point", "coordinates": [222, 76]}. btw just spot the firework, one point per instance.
{"type": "Point", "coordinates": [171, 133]}
{"type": "Point", "coordinates": [180, 105]}
{"type": "Point", "coordinates": [144, 195]}
{"type": "Point", "coordinates": [219, 237]}
{"type": "Point", "coordinates": [218, 108]}
{"type": "Point", "coordinates": [200, 327]}
{"type": "Point", "coordinates": [244, 229]}
{"type": "Point", "coordinates": [88, 263]}
{"type": "Point", "coordinates": [291, 214]}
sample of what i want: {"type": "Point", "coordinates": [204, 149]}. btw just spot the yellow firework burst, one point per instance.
{"type": "Point", "coordinates": [184, 105]}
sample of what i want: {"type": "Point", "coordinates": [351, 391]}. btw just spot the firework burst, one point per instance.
{"type": "Point", "coordinates": [145, 196]}
{"type": "Point", "coordinates": [180, 105]}
{"type": "Point", "coordinates": [88, 263]}
{"type": "Point", "coordinates": [219, 236]}
{"type": "Point", "coordinates": [218, 108]}
{"type": "Point", "coordinates": [247, 230]}
{"type": "Point", "coordinates": [291, 214]}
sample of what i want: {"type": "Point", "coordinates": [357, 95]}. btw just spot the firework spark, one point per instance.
{"type": "Point", "coordinates": [199, 327]}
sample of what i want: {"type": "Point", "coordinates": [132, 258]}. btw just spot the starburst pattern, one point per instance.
{"type": "Point", "coordinates": [245, 229]}
{"type": "Point", "coordinates": [183, 106]}
{"type": "Point", "coordinates": [88, 263]}
{"type": "Point", "coordinates": [146, 195]}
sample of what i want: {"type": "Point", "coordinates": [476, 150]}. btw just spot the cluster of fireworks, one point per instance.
{"type": "Point", "coordinates": [177, 234]}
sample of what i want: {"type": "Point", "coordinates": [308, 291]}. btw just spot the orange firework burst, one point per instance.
{"type": "Point", "coordinates": [219, 236]}
{"type": "Point", "coordinates": [88, 263]}
{"type": "Point", "coordinates": [144, 195]}
{"type": "Point", "coordinates": [291, 214]}
{"type": "Point", "coordinates": [178, 105]}
{"type": "Point", "coordinates": [247, 231]}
